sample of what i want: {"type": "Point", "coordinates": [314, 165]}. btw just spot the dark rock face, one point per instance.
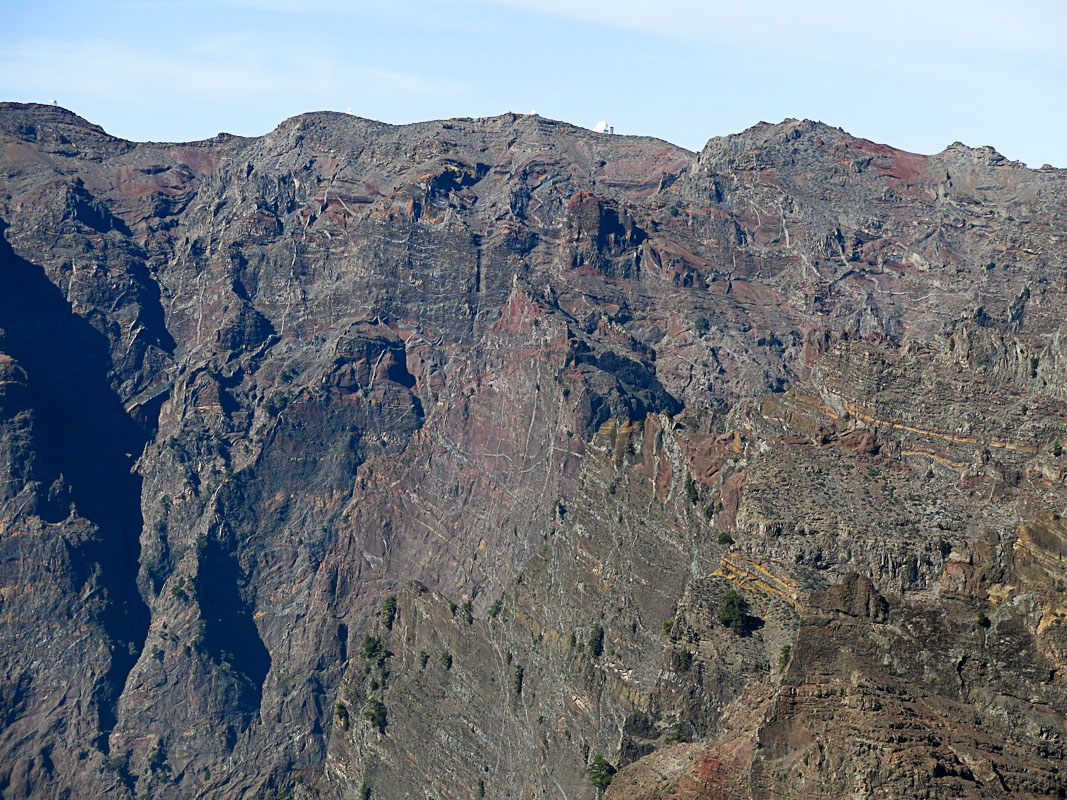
{"type": "Point", "coordinates": [854, 596]}
{"type": "Point", "coordinates": [558, 394]}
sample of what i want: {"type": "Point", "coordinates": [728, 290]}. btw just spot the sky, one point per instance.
{"type": "Point", "coordinates": [915, 74]}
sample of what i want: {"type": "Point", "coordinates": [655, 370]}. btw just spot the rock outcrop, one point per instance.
{"type": "Point", "coordinates": [370, 461]}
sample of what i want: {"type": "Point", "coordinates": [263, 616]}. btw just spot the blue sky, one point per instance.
{"type": "Point", "coordinates": [916, 75]}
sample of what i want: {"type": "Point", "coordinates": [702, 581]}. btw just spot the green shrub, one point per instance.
{"type": "Point", "coordinates": [783, 657]}
{"type": "Point", "coordinates": [725, 538]}
{"type": "Point", "coordinates": [600, 773]}
{"type": "Point", "coordinates": [668, 626]}
{"type": "Point", "coordinates": [389, 612]}
{"type": "Point", "coordinates": [446, 660]}
{"type": "Point", "coordinates": [496, 608]}
{"type": "Point", "coordinates": [911, 569]}
{"type": "Point", "coordinates": [676, 735]}
{"type": "Point", "coordinates": [691, 489]}
{"type": "Point", "coordinates": [682, 659]}
{"type": "Point", "coordinates": [372, 647]}
{"type": "Point", "coordinates": [733, 611]}
{"type": "Point", "coordinates": [468, 612]}
{"type": "Point", "coordinates": [376, 714]}
{"type": "Point", "coordinates": [342, 716]}
{"type": "Point", "coordinates": [596, 641]}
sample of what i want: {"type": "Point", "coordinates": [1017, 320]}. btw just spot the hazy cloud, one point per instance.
{"type": "Point", "coordinates": [835, 26]}
{"type": "Point", "coordinates": [232, 69]}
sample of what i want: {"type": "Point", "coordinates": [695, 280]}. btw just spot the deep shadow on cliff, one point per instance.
{"type": "Point", "coordinates": [78, 467]}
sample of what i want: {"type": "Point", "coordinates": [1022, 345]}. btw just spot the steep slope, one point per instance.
{"type": "Point", "coordinates": [557, 393]}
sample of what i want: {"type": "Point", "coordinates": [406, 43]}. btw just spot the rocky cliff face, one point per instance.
{"type": "Point", "coordinates": [368, 461]}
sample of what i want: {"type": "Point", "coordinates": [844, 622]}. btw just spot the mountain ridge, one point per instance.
{"type": "Point", "coordinates": [310, 116]}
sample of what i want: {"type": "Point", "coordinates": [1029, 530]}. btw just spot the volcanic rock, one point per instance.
{"type": "Point", "coordinates": [360, 460]}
